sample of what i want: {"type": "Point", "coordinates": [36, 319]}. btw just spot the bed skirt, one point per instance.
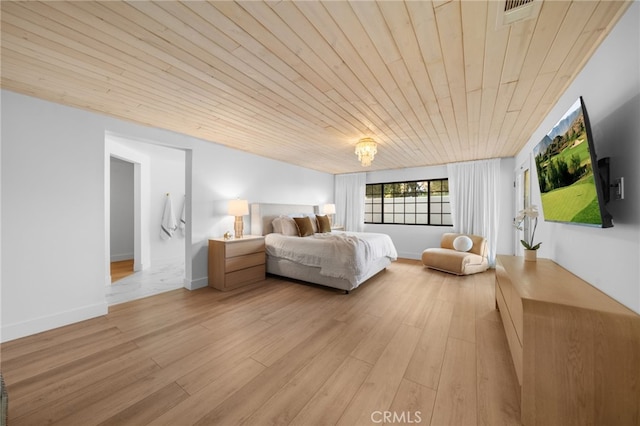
{"type": "Point", "coordinates": [287, 268]}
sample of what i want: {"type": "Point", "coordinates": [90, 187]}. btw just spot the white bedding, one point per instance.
{"type": "Point", "coordinates": [338, 254]}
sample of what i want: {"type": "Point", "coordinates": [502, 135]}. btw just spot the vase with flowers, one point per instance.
{"type": "Point", "coordinates": [531, 212]}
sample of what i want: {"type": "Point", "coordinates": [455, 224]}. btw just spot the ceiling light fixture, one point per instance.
{"type": "Point", "coordinates": [366, 149]}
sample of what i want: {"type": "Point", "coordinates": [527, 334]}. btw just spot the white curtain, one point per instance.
{"type": "Point", "coordinates": [474, 197]}
{"type": "Point", "coordinates": [349, 200]}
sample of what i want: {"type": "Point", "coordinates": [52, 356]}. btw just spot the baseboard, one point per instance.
{"type": "Point", "coordinates": [409, 255]}
{"type": "Point", "coordinates": [38, 325]}
{"type": "Point", "coordinates": [121, 257]}
{"type": "Point", "coordinates": [196, 284]}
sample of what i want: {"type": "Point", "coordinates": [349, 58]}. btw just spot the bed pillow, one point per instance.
{"type": "Point", "coordinates": [305, 228]}
{"type": "Point", "coordinates": [277, 225]}
{"type": "Point", "coordinates": [289, 226]}
{"type": "Point", "coordinates": [314, 222]}
{"type": "Point", "coordinates": [462, 243]}
{"type": "Point", "coordinates": [285, 225]}
{"type": "Point", "coordinates": [324, 224]}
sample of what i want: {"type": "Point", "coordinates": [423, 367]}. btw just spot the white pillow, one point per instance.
{"type": "Point", "coordinates": [277, 225]}
{"type": "Point", "coordinates": [284, 225]}
{"type": "Point", "coordinates": [288, 226]}
{"type": "Point", "coordinates": [462, 243]}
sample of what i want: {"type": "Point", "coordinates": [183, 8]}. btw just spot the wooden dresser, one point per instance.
{"type": "Point", "coordinates": [236, 262]}
{"type": "Point", "coordinates": [576, 351]}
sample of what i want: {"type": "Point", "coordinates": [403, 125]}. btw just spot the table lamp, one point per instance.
{"type": "Point", "coordinates": [238, 208]}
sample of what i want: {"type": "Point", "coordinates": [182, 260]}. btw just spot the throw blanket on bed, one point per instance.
{"type": "Point", "coordinates": [338, 254]}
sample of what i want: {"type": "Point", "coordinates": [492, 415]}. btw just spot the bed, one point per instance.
{"type": "Point", "coordinates": [342, 260]}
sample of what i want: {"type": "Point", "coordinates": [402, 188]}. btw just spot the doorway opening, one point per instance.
{"type": "Point", "coordinates": [122, 218]}
{"type": "Point", "coordinates": [158, 265]}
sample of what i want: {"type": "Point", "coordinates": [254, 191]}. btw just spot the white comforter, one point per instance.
{"type": "Point", "coordinates": [337, 254]}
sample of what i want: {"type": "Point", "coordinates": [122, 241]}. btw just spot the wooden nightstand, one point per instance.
{"type": "Point", "coordinates": [236, 262]}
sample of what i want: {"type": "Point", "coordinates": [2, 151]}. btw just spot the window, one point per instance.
{"type": "Point", "coordinates": [423, 202]}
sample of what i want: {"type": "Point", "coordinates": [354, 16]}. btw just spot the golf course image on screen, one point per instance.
{"type": "Point", "coordinates": [565, 172]}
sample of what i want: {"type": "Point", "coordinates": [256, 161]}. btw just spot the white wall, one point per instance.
{"type": "Point", "coordinates": [411, 240]}
{"type": "Point", "coordinates": [52, 216]}
{"type": "Point", "coordinates": [610, 86]}
{"type": "Point", "coordinates": [53, 206]}
{"type": "Point", "coordinates": [121, 213]}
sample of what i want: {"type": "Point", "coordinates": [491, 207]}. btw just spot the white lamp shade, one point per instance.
{"type": "Point", "coordinates": [329, 209]}
{"type": "Point", "coordinates": [238, 208]}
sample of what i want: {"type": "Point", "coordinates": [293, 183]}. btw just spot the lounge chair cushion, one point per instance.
{"type": "Point", "coordinates": [446, 258]}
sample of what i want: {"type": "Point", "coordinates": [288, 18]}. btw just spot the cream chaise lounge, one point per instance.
{"type": "Point", "coordinates": [470, 256]}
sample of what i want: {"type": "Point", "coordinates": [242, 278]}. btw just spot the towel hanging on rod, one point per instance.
{"type": "Point", "coordinates": [168, 225]}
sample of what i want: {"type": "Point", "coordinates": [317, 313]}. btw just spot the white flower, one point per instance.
{"type": "Point", "coordinates": [531, 211]}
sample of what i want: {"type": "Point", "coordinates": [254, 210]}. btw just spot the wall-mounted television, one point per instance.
{"type": "Point", "coordinates": [574, 186]}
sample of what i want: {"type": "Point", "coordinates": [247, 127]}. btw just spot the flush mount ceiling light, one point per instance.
{"type": "Point", "coordinates": [366, 149]}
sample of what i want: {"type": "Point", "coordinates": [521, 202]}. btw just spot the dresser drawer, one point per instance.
{"type": "Point", "coordinates": [515, 310]}
{"type": "Point", "coordinates": [511, 299]}
{"type": "Point", "coordinates": [239, 248]}
{"type": "Point", "coordinates": [244, 276]}
{"type": "Point", "coordinates": [242, 262]}
{"type": "Point", "coordinates": [515, 346]}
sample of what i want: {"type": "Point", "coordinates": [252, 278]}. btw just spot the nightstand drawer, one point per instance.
{"type": "Point", "coordinates": [244, 276]}
{"type": "Point", "coordinates": [242, 262]}
{"type": "Point", "coordinates": [234, 263]}
{"type": "Point", "coordinates": [239, 248]}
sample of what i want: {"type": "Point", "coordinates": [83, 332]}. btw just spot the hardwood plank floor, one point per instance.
{"type": "Point", "coordinates": [121, 269]}
{"type": "Point", "coordinates": [422, 345]}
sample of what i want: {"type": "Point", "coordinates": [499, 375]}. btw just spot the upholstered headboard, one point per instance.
{"type": "Point", "coordinates": [263, 214]}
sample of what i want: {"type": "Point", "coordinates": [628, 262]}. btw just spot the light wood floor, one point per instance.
{"type": "Point", "coordinates": [423, 345]}
{"type": "Point", "coordinates": [121, 269]}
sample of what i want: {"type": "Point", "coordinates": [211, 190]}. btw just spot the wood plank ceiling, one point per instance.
{"type": "Point", "coordinates": [301, 82]}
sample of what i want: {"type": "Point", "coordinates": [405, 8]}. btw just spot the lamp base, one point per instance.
{"type": "Point", "coordinates": [238, 226]}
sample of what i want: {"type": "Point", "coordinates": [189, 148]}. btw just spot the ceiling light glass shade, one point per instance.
{"type": "Point", "coordinates": [366, 149]}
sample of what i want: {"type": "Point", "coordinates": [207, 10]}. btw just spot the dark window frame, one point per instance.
{"type": "Point", "coordinates": [394, 191]}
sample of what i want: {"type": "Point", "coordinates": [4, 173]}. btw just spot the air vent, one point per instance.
{"type": "Point", "coordinates": [514, 4]}
{"type": "Point", "coordinates": [517, 10]}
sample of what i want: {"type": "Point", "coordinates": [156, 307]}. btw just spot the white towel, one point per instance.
{"type": "Point", "coordinates": [168, 225]}
{"type": "Point", "coordinates": [182, 224]}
